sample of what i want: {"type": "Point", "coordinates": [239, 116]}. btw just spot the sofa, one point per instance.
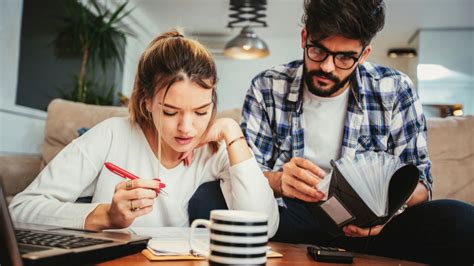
{"type": "Point", "coordinates": [450, 142]}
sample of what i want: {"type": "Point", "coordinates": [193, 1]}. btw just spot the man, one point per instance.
{"type": "Point", "coordinates": [299, 116]}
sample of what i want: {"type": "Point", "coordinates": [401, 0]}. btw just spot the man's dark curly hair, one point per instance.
{"type": "Point", "coordinates": [352, 19]}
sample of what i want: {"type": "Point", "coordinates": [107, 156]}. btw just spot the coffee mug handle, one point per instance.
{"type": "Point", "coordinates": [195, 250]}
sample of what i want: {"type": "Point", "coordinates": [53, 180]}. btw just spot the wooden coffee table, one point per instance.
{"type": "Point", "coordinates": [292, 255]}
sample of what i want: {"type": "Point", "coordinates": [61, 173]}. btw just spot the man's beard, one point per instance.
{"type": "Point", "coordinates": [319, 91]}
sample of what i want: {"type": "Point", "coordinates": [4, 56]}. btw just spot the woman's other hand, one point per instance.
{"type": "Point", "coordinates": [222, 129]}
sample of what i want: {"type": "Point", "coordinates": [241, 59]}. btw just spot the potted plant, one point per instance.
{"type": "Point", "coordinates": [95, 35]}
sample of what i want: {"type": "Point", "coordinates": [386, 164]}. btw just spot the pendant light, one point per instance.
{"type": "Point", "coordinates": [247, 14]}
{"type": "Point", "coordinates": [247, 45]}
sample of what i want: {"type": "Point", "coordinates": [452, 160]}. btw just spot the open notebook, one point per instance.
{"type": "Point", "coordinates": [172, 243]}
{"type": "Point", "coordinates": [365, 191]}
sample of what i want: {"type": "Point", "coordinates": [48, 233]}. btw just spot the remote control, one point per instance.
{"type": "Point", "coordinates": [330, 254]}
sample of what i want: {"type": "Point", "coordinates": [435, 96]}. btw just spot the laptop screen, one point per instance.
{"type": "Point", "coordinates": [7, 235]}
{"type": "Point", "coordinates": [67, 247]}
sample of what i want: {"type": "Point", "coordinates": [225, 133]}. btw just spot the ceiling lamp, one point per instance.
{"type": "Point", "coordinates": [401, 53]}
{"type": "Point", "coordinates": [247, 14]}
{"type": "Point", "coordinates": [246, 45]}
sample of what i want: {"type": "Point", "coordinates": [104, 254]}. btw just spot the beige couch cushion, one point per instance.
{"type": "Point", "coordinates": [17, 172]}
{"type": "Point", "coordinates": [451, 147]}
{"type": "Point", "coordinates": [65, 118]}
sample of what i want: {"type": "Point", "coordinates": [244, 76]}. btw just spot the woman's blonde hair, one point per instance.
{"type": "Point", "coordinates": [170, 58]}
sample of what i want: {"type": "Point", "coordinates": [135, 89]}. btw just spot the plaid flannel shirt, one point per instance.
{"type": "Point", "coordinates": [384, 113]}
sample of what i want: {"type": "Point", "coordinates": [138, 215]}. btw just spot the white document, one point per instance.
{"type": "Point", "coordinates": [336, 210]}
{"type": "Point", "coordinates": [172, 240]}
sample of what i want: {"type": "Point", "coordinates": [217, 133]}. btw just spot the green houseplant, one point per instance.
{"type": "Point", "coordinates": [95, 35]}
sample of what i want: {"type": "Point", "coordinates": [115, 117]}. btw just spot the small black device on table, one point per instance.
{"type": "Point", "coordinates": [330, 254]}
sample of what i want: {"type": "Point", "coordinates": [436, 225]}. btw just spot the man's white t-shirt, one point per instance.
{"type": "Point", "coordinates": [78, 171]}
{"type": "Point", "coordinates": [323, 123]}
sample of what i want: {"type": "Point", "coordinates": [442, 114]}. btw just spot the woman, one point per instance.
{"type": "Point", "coordinates": [172, 112]}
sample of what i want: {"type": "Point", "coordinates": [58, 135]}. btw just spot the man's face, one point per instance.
{"type": "Point", "coordinates": [324, 78]}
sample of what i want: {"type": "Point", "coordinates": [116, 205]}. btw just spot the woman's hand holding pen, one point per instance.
{"type": "Point", "coordinates": [131, 199]}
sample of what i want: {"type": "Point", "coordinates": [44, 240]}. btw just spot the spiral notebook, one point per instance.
{"type": "Point", "coordinates": [365, 191]}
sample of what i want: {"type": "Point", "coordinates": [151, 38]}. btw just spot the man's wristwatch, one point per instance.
{"type": "Point", "coordinates": [402, 209]}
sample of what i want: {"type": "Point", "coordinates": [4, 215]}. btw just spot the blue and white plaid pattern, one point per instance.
{"type": "Point", "coordinates": [384, 114]}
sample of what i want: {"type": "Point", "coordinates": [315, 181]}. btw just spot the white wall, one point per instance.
{"type": "Point", "coordinates": [235, 76]}
{"type": "Point", "coordinates": [401, 64]}
{"type": "Point", "coordinates": [21, 128]}
{"type": "Point", "coordinates": [144, 31]}
{"type": "Point", "coordinates": [454, 82]}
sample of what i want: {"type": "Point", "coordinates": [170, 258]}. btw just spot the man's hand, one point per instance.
{"type": "Point", "coordinates": [299, 180]}
{"type": "Point", "coordinates": [355, 231]}
{"type": "Point", "coordinates": [419, 195]}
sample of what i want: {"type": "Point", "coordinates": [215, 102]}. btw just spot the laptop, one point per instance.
{"type": "Point", "coordinates": [32, 244]}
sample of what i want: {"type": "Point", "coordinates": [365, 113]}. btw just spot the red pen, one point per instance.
{"type": "Point", "coordinates": [126, 174]}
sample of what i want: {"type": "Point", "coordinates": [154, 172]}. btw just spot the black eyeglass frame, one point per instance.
{"type": "Point", "coordinates": [333, 54]}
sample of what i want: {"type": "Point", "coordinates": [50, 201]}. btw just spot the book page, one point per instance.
{"type": "Point", "coordinates": [172, 240]}
{"type": "Point", "coordinates": [369, 175]}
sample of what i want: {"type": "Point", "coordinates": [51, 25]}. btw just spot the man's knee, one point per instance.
{"type": "Point", "coordinates": [207, 197]}
{"type": "Point", "coordinates": [298, 226]}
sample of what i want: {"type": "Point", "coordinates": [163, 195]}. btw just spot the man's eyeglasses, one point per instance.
{"type": "Point", "coordinates": [342, 60]}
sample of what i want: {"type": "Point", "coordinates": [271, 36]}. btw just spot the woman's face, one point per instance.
{"type": "Point", "coordinates": [185, 114]}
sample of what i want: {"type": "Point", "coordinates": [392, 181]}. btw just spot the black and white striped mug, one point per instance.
{"type": "Point", "coordinates": [236, 237]}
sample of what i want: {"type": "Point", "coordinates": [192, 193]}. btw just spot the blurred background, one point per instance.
{"type": "Point", "coordinates": [432, 41]}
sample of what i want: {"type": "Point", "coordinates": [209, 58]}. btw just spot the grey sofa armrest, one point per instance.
{"type": "Point", "coordinates": [17, 172]}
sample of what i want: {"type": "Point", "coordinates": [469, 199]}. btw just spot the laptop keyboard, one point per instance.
{"type": "Point", "coordinates": [56, 240]}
